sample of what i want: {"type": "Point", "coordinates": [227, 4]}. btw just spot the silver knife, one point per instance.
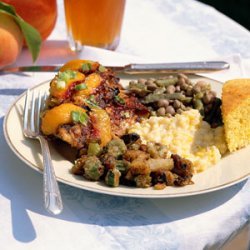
{"type": "Point", "coordinates": [184, 67]}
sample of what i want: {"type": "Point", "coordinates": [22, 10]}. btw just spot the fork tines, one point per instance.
{"type": "Point", "coordinates": [34, 104]}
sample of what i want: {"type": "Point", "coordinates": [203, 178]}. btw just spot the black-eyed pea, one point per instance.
{"type": "Point", "coordinates": [208, 97]}
{"type": "Point", "coordinates": [183, 76]}
{"type": "Point", "coordinates": [177, 104]}
{"type": "Point", "coordinates": [183, 107]}
{"type": "Point", "coordinates": [177, 88]}
{"type": "Point", "coordinates": [163, 103]}
{"type": "Point", "coordinates": [142, 80]}
{"type": "Point", "coordinates": [199, 86]}
{"type": "Point", "coordinates": [189, 91]}
{"type": "Point", "coordinates": [170, 110]}
{"type": "Point", "coordinates": [184, 87]}
{"type": "Point", "coordinates": [151, 86]}
{"type": "Point", "coordinates": [161, 111]}
{"type": "Point", "coordinates": [179, 111]}
{"type": "Point", "coordinates": [149, 82]}
{"type": "Point", "coordinates": [153, 113]}
{"type": "Point", "coordinates": [181, 81]}
{"type": "Point", "coordinates": [170, 89]}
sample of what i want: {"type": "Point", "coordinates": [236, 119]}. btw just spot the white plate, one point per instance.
{"type": "Point", "coordinates": [231, 169]}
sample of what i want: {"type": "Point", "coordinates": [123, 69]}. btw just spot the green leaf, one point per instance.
{"type": "Point", "coordinates": [31, 35]}
{"type": "Point", "coordinates": [7, 8]}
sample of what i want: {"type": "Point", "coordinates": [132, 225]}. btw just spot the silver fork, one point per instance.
{"type": "Point", "coordinates": [31, 129]}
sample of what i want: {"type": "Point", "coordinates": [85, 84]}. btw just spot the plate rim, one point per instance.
{"type": "Point", "coordinates": [101, 191]}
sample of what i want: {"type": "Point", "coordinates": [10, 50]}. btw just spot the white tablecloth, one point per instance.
{"type": "Point", "coordinates": [160, 30]}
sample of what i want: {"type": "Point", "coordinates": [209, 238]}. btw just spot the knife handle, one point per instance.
{"type": "Point", "coordinates": [184, 67]}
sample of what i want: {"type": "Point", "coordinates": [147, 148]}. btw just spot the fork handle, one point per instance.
{"type": "Point", "coordinates": [51, 192]}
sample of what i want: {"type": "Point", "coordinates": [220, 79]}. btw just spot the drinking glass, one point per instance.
{"type": "Point", "coordinates": [94, 22]}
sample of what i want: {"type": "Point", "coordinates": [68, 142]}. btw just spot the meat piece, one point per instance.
{"type": "Point", "coordinates": [183, 168]}
{"type": "Point", "coordinates": [77, 135]}
{"type": "Point", "coordinates": [102, 89]}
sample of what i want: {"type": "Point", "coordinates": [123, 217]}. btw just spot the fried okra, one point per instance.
{"type": "Point", "coordinates": [132, 163]}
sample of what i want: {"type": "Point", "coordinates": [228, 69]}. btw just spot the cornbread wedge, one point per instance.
{"type": "Point", "coordinates": [236, 113]}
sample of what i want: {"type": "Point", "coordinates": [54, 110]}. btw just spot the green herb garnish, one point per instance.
{"type": "Point", "coordinates": [92, 99]}
{"type": "Point", "coordinates": [86, 66]}
{"type": "Point", "coordinates": [60, 84]}
{"type": "Point", "coordinates": [67, 75]}
{"type": "Point", "coordinates": [119, 99]}
{"type": "Point", "coordinates": [102, 68]}
{"type": "Point", "coordinates": [81, 86]}
{"type": "Point", "coordinates": [90, 103]}
{"type": "Point", "coordinates": [78, 116]}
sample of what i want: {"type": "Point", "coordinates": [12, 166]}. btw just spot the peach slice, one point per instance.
{"type": "Point", "coordinates": [79, 64]}
{"type": "Point", "coordinates": [57, 116]}
{"type": "Point", "coordinates": [101, 122]}
{"type": "Point", "coordinates": [61, 87]}
{"type": "Point", "coordinates": [92, 81]}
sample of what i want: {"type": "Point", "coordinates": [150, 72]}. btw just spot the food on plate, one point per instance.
{"type": "Point", "coordinates": [127, 161]}
{"type": "Point", "coordinates": [236, 113]}
{"type": "Point", "coordinates": [185, 134]}
{"type": "Point", "coordinates": [94, 103]}
{"type": "Point", "coordinates": [153, 133]}
{"type": "Point", "coordinates": [75, 126]}
{"type": "Point", "coordinates": [57, 116]}
{"type": "Point", "coordinates": [170, 95]}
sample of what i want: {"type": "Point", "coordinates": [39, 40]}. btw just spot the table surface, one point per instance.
{"type": "Point", "coordinates": [153, 31]}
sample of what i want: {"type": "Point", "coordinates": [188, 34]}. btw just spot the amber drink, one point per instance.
{"type": "Point", "coordinates": [94, 22]}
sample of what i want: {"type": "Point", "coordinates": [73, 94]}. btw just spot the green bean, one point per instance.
{"type": "Point", "coordinates": [199, 106]}
{"type": "Point", "coordinates": [138, 88]}
{"type": "Point", "coordinates": [137, 85]}
{"type": "Point", "coordinates": [156, 97]}
{"type": "Point", "coordinates": [159, 91]}
{"type": "Point", "coordinates": [198, 95]}
{"type": "Point", "coordinates": [166, 82]}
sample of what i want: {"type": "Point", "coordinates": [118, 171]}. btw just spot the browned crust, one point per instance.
{"type": "Point", "coordinates": [234, 92]}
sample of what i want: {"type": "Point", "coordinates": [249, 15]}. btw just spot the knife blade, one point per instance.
{"type": "Point", "coordinates": [184, 67]}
